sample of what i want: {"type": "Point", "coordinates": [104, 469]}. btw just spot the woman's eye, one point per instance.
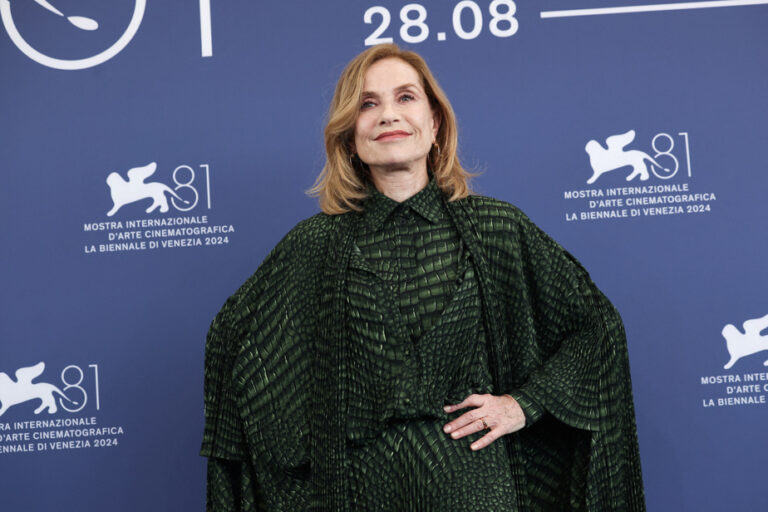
{"type": "Point", "coordinates": [367, 104]}
{"type": "Point", "coordinates": [407, 97]}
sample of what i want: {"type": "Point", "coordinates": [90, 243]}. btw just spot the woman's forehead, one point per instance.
{"type": "Point", "coordinates": [389, 74]}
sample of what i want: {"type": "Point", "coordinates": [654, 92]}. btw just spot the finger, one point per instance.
{"type": "Point", "coordinates": [472, 400]}
{"type": "Point", "coordinates": [485, 440]}
{"type": "Point", "coordinates": [465, 419]}
{"type": "Point", "coordinates": [469, 428]}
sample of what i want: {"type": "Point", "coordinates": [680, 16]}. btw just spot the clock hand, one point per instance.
{"type": "Point", "coordinates": [80, 22]}
{"type": "Point", "coordinates": [48, 6]}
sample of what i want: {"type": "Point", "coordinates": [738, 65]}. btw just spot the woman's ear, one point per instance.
{"type": "Point", "coordinates": [436, 120]}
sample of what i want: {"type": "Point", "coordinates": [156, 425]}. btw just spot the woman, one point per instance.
{"type": "Point", "coordinates": [415, 347]}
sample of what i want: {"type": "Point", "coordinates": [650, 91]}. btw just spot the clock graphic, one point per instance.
{"type": "Point", "coordinates": [82, 23]}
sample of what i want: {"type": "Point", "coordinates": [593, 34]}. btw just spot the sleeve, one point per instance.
{"type": "Point", "coordinates": [582, 378]}
{"type": "Point", "coordinates": [532, 411]}
{"type": "Point", "coordinates": [255, 400]}
{"type": "Point", "coordinates": [228, 334]}
{"type": "Point", "coordinates": [222, 435]}
{"type": "Point", "coordinates": [231, 481]}
{"type": "Point", "coordinates": [571, 343]}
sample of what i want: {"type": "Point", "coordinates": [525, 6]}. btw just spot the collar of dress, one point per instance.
{"type": "Point", "coordinates": [378, 207]}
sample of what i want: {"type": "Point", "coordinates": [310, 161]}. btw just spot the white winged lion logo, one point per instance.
{"type": "Point", "coordinates": [742, 344]}
{"type": "Point", "coordinates": [23, 390]}
{"type": "Point", "coordinates": [124, 192]}
{"type": "Point", "coordinates": [614, 156]}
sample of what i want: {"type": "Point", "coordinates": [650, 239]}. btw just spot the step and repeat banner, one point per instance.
{"type": "Point", "coordinates": [154, 152]}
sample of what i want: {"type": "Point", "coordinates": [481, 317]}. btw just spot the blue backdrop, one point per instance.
{"type": "Point", "coordinates": [211, 114]}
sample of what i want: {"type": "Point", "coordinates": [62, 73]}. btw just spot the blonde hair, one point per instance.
{"type": "Point", "coordinates": [342, 182]}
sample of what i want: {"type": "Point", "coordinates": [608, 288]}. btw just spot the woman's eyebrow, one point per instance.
{"type": "Point", "coordinates": [397, 89]}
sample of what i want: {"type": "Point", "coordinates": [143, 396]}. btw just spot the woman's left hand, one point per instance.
{"type": "Point", "coordinates": [502, 414]}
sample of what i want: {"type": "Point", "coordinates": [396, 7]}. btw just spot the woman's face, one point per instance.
{"type": "Point", "coordinates": [396, 126]}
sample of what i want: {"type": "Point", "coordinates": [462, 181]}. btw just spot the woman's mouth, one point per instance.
{"type": "Point", "coordinates": [397, 134]}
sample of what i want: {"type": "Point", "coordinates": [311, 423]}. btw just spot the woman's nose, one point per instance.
{"type": "Point", "coordinates": [388, 113]}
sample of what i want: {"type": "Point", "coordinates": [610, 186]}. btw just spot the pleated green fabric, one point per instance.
{"type": "Point", "coordinates": [292, 423]}
{"type": "Point", "coordinates": [409, 261]}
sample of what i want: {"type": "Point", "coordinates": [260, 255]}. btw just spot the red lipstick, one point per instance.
{"type": "Point", "coordinates": [397, 134]}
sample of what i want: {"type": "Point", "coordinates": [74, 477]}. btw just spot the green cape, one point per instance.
{"type": "Point", "coordinates": [275, 364]}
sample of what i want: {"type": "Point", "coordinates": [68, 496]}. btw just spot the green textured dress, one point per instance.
{"type": "Point", "coordinates": [325, 373]}
{"type": "Point", "coordinates": [409, 259]}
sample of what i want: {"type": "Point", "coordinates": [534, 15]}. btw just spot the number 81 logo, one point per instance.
{"type": "Point", "coordinates": [72, 377]}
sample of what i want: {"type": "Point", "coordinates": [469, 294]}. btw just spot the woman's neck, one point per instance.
{"type": "Point", "coordinates": [399, 185]}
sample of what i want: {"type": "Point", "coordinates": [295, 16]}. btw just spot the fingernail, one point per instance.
{"type": "Point", "coordinates": [447, 408]}
{"type": "Point", "coordinates": [474, 446]}
{"type": "Point", "coordinates": [447, 428]}
{"type": "Point", "coordinates": [454, 435]}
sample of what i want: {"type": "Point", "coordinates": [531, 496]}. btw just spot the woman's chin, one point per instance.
{"type": "Point", "coordinates": [394, 164]}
